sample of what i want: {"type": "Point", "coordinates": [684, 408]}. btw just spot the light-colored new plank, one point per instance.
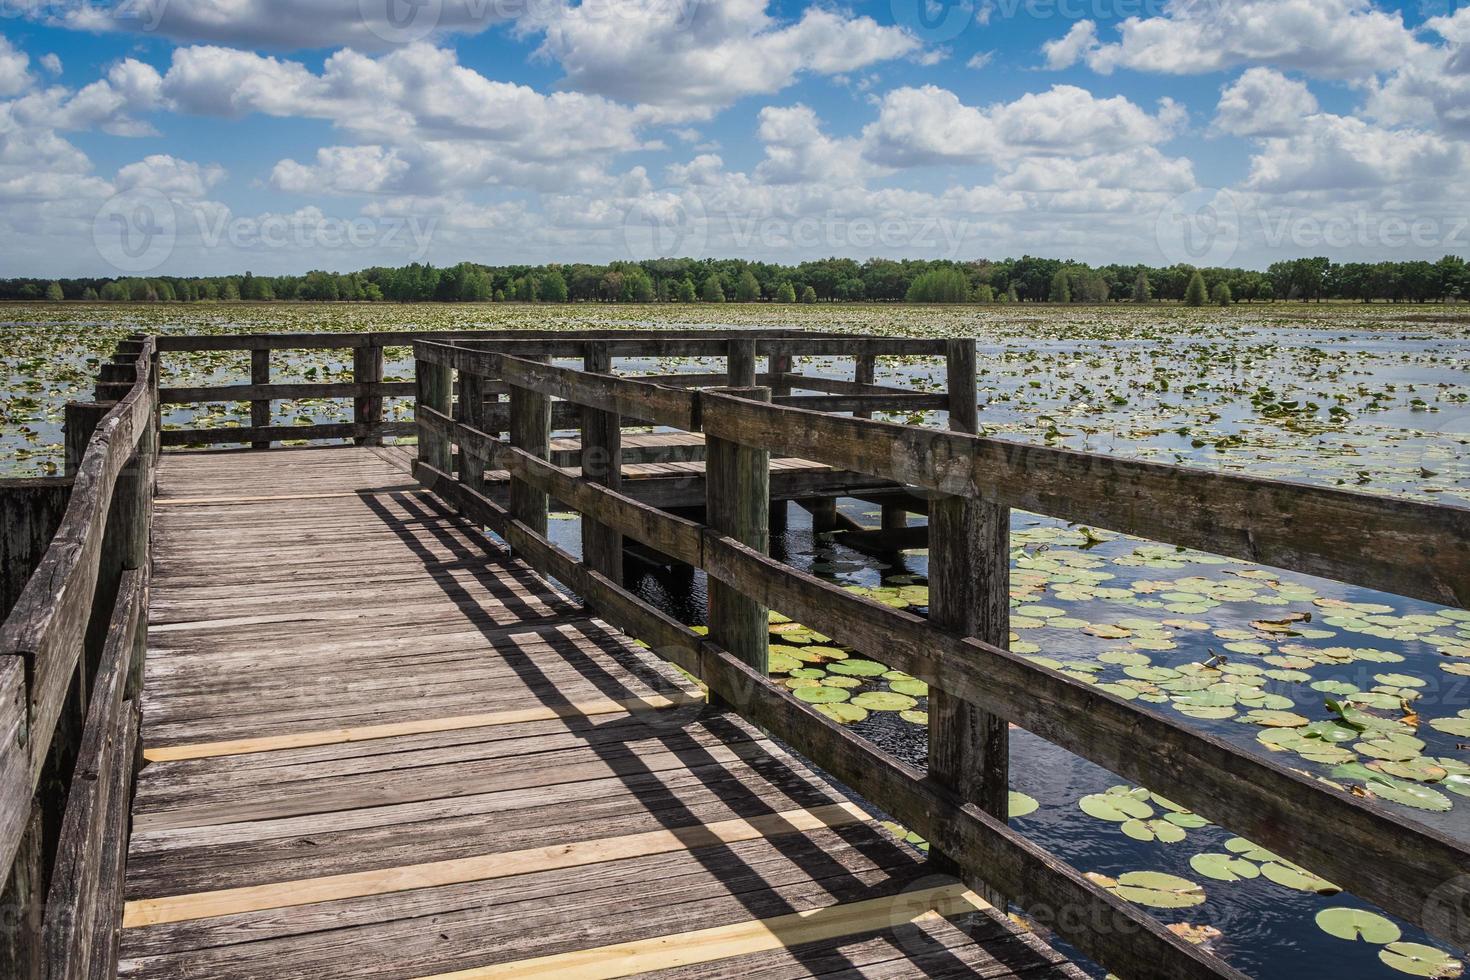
{"type": "Point", "coordinates": [362, 733]}
{"type": "Point", "coordinates": [737, 939]}
{"type": "Point", "coordinates": [231, 901]}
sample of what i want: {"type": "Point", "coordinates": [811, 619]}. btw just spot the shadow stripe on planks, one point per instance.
{"type": "Point", "coordinates": [202, 905]}
{"type": "Point", "coordinates": [738, 939]}
{"type": "Point", "coordinates": [363, 733]}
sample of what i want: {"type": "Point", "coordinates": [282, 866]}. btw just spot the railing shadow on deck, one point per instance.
{"type": "Point", "coordinates": [673, 729]}
{"type": "Point", "coordinates": [1410, 548]}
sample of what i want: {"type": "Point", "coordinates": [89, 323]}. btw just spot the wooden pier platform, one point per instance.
{"type": "Point", "coordinates": [378, 747]}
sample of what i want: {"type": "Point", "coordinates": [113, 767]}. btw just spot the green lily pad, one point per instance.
{"type": "Point", "coordinates": [1419, 960]}
{"type": "Point", "coordinates": [912, 688]}
{"type": "Point", "coordinates": [1357, 924]}
{"type": "Point", "coordinates": [1150, 830]}
{"type": "Point", "coordinates": [915, 717]}
{"type": "Point", "coordinates": [1159, 890]}
{"type": "Point", "coordinates": [884, 701]}
{"type": "Point", "coordinates": [1114, 807]}
{"type": "Point", "coordinates": [1298, 878]}
{"type": "Point", "coordinates": [1021, 805]}
{"type": "Point", "coordinates": [844, 714]}
{"type": "Point", "coordinates": [1224, 867]}
{"type": "Point", "coordinates": [857, 667]}
{"type": "Point", "coordinates": [820, 694]}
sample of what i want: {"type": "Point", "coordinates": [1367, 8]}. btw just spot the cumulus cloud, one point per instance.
{"type": "Point", "coordinates": [1330, 38]}
{"type": "Point", "coordinates": [1330, 152]}
{"type": "Point", "coordinates": [690, 59]}
{"type": "Point", "coordinates": [15, 72]}
{"type": "Point", "coordinates": [1262, 102]}
{"type": "Point", "coordinates": [289, 24]}
{"type": "Point", "coordinates": [930, 125]}
{"type": "Point", "coordinates": [170, 176]}
{"type": "Point", "coordinates": [1433, 88]}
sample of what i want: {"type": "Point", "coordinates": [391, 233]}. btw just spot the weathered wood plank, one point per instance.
{"type": "Point", "coordinates": [30, 512]}
{"type": "Point", "coordinates": [78, 887]}
{"type": "Point", "coordinates": [737, 494]}
{"type": "Point", "coordinates": [1407, 547]}
{"type": "Point", "coordinates": [602, 465]}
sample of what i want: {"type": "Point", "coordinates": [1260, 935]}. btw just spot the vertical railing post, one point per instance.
{"type": "Point", "coordinates": [969, 593]}
{"type": "Point", "coordinates": [865, 372]}
{"type": "Point", "coordinates": [737, 489]}
{"type": "Point", "coordinates": [779, 366]}
{"type": "Point", "coordinates": [530, 429]}
{"type": "Point", "coordinates": [367, 408]}
{"type": "Point", "coordinates": [432, 389]}
{"type": "Point", "coordinates": [472, 413]}
{"type": "Point", "coordinates": [740, 362]}
{"type": "Point", "coordinates": [260, 408]}
{"type": "Point", "coordinates": [602, 463]}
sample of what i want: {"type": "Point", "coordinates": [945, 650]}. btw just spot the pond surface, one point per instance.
{"type": "Point", "coordinates": [1355, 687]}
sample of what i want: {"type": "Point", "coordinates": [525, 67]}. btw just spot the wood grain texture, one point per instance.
{"type": "Point", "coordinates": [494, 812]}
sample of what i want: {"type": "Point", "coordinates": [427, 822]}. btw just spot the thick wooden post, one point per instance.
{"type": "Point", "coordinates": [737, 494]}
{"type": "Point", "coordinates": [865, 372]}
{"type": "Point", "coordinates": [740, 362]}
{"type": "Point", "coordinates": [969, 593]}
{"type": "Point", "coordinates": [30, 512]}
{"type": "Point", "coordinates": [472, 413]}
{"type": "Point", "coordinates": [602, 463]}
{"type": "Point", "coordinates": [367, 369]}
{"type": "Point", "coordinates": [824, 514]}
{"type": "Point", "coordinates": [779, 366]}
{"type": "Point", "coordinates": [433, 391]}
{"type": "Point", "coordinates": [260, 408]}
{"type": "Point", "coordinates": [79, 422]}
{"type": "Point", "coordinates": [530, 429]}
{"type": "Point", "coordinates": [895, 517]}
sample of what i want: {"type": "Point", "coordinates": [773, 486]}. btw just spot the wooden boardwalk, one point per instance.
{"type": "Point", "coordinates": [379, 749]}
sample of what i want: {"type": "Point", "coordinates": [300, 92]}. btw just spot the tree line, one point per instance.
{"type": "Point", "coordinates": [1028, 279]}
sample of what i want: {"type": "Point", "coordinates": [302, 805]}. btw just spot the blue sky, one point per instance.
{"type": "Point", "coordinates": [207, 136]}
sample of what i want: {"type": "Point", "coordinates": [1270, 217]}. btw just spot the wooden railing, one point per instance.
{"type": "Point", "coordinates": [977, 686]}
{"type": "Point", "coordinates": [71, 654]}
{"type": "Point", "coordinates": [368, 388]}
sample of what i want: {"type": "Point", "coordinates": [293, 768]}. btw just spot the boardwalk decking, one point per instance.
{"type": "Point", "coordinates": [377, 749]}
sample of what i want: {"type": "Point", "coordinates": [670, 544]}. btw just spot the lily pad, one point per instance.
{"type": "Point", "coordinates": [857, 667]}
{"type": "Point", "coordinates": [1224, 867]}
{"type": "Point", "coordinates": [1357, 924]}
{"type": "Point", "coordinates": [1159, 890]}
{"type": "Point", "coordinates": [845, 714]}
{"type": "Point", "coordinates": [1419, 960]}
{"type": "Point", "coordinates": [820, 694]}
{"type": "Point", "coordinates": [1021, 805]}
{"type": "Point", "coordinates": [884, 701]}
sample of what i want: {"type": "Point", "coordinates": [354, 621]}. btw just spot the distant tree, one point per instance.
{"type": "Point", "coordinates": [1060, 290]}
{"type": "Point", "coordinates": [939, 286]}
{"type": "Point", "coordinates": [54, 293]}
{"type": "Point", "coordinates": [89, 295]}
{"type": "Point", "coordinates": [1011, 296]}
{"type": "Point", "coordinates": [231, 291]}
{"type": "Point", "coordinates": [1141, 291]}
{"type": "Point", "coordinates": [712, 291]}
{"type": "Point", "coordinates": [554, 287]}
{"type": "Point", "coordinates": [684, 292]}
{"type": "Point", "coordinates": [1220, 295]}
{"type": "Point", "coordinates": [1194, 293]}
{"type": "Point", "coordinates": [786, 293]}
{"type": "Point", "coordinates": [809, 295]}
{"type": "Point", "coordinates": [1264, 292]}
{"type": "Point", "coordinates": [983, 293]}
{"type": "Point", "coordinates": [499, 296]}
{"type": "Point", "coordinates": [748, 288]}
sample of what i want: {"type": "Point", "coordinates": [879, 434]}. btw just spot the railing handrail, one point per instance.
{"type": "Point", "coordinates": [87, 594]}
{"type": "Point", "coordinates": [1403, 866]}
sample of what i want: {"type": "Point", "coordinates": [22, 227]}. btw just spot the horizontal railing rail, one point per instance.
{"type": "Point", "coordinates": [71, 653]}
{"type": "Point", "coordinates": [368, 389]}
{"type": "Point", "coordinates": [1420, 550]}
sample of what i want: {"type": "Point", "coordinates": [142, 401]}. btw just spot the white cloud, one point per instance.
{"type": "Point", "coordinates": [1262, 102]}
{"type": "Point", "coordinates": [980, 59]}
{"type": "Point", "coordinates": [1432, 88]}
{"type": "Point", "coordinates": [15, 75]}
{"type": "Point", "coordinates": [1065, 51]}
{"type": "Point", "coordinates": [342, 170]}
{"type": "Point", "coordinates": [689, 60]}
{"type": "Point", "coordinates": [1330, 153]}
{"type": "Point", "coordinates": [288, 24]}
{"type": "Point", "coordinates": [929, 125]}
{"type": "Point", "coordinates": [1330, 38]}
{"type": "Point", "coordinates": [52, 63]}
{"type": "Point", "coordinates": [174, 178]}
